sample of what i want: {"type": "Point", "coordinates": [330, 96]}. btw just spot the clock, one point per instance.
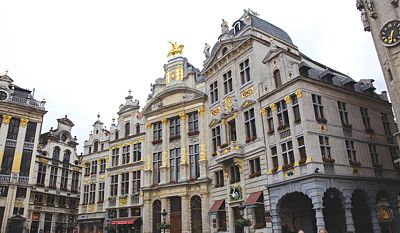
{"type": "Point", "coordinates": [390, 33]}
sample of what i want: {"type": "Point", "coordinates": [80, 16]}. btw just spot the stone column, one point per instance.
{"type": "Point", "coordinates": [205, 206]}
{"type": "Point", "coordinates": [184, 171]}
{"type": "Point", "coordinates": [147, 215]}
{"type": "Point", "coordinates": [316, 198]}
{"type": "Point", "coordinates": [148, 160]}
{"type": "Point", "coordinates": [202, 139]}
{"type": "Point", "coordinates": [165, 205]}
{"type": "Point", "coordinates": [348, 214]}
{"type": "Point", "coordinates": [276, 219]}
{"type": "Point", "coordinates": [374, 217]}
{"type": "Point", "coordinates": [3, 135]}
{"type": "Point", "coordinates": [20, 146]}
{"type": "Point", "coordinates": [165, 159]}
{"type": "Point", "coordinates": [186, 214]}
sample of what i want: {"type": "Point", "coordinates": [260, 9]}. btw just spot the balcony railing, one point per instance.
{"type": "Point", "coordinates": [27, 102]}
{"type": "Point", "coordinates": [16, 179]}
{"type": "Point", "coordinates": [226, 152]}
{"type": "Point", "coordinates": [11, 142]}
{"type": "Point", "coordinates": [28, 145]}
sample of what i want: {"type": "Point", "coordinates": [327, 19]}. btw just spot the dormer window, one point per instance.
{"type": "Point", "coordinates": [224, 50]}
{"type": "Point", "coordinates": [116, 134]}
{"type": "Point", "coordinates": [64, 137]}
{"type": "Point", "coordinates": [127, 129]}
{"type": "Point", "coordinates": [236, 27]}
{"type": "Point", "coordinates": [3, 95]}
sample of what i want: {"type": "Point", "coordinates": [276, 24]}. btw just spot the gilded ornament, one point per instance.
{"type": "Point", "coordinates": [148, 125]}
{"type": "Point", "coordinates": [263, 112]}
{"type": "Point", "coordinates": [246, 104]}
{"type": "Point", "coordinates": [6, 119]}
{"type": "Point", "coordinates": [215, 111]}
{"type": "Point", "coordinates": [183, 156]}
{"type": "Point", "coordinates": [179, 74]}
{"type": "Point", "coordinates": [24, 122]}
{"type": "Point", "coordinates": [203, 155]}
{"type": "Point", "coordinates": [164, 121]}
{"type": "Point", "coordinates": [182, 116]}
{"type": "Point", "coordinates": [102, 177]}
{"type": "Point", "coordinates": [299, 94]}
{"type": "Point", "coordinates": [272, 107]}
{"type": "Point", "coordinates": [228, 103]}
{"type": "Point", "coordinates": [90, 208]}
{"type": "Point", "coordinates": [43, 160]}
{"type": "Point", "coordinates": [248, 92]}
{"type": "Point", "coordinates": [201, 111]}
{"type": "Point", "coordinates": [122, 201]}
{"type": "Point", "coordinates": [175, 49]}
{"type": "Point", "coordinates": [288, 100]}
{"type": "Point", "coordinates": [165, 159]}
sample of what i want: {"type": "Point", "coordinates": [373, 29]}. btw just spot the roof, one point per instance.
{"type": "Point", "coordinates": [270, 29]}
{"type": "Point", "coordinates": [253, 198]}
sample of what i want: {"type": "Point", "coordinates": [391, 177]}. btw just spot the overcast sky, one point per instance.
{"type": "Point", "coordinates": [82, 56]}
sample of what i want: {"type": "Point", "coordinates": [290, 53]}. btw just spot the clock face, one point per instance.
{"type": "Point", "coordinates": [390, 33]}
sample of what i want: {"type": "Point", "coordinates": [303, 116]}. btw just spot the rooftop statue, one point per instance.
{"type": "Point", "coordinates": [175, 50]}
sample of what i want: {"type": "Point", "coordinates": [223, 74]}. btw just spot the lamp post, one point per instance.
{"type": "Point", "coordinates": [164, 216]}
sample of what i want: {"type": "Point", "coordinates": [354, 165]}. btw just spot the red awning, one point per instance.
{"type": "Point", "coordinates": [252, 199]}
{"type": "Point", "coordinates": [124, 221]}
{"type": "Point", "coordinates": [216, 206]}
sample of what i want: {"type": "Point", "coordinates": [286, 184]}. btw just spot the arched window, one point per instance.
{"type": "Point", "coordinates": [56, 154]}
{"type": "Point", "coordinates": [156, 216]}
{"type": "Point", "coordinates": [127, 129]}
{"type": "Point", "coordinates": [277, 78]}
{"type": "Point", "coordinates": [224, 50]}
{"type": "Point", "coordinates": [137, 129]}
{"type": "Point", "coordinates": [116, 134]}
{"type": "Point", "coordinates": [236, 27]}
{"type": "Point", "coordinates": [96, 146]}
{"type": "Point", "coordinates": [195, 209]}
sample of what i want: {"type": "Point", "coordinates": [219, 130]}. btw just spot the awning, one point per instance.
{"type": "Point", "coordinates": [124, 221]}
{"type": "Point", "coordinates": [253, 198]}
{"type": "Point", "coordinates": [217, 206]}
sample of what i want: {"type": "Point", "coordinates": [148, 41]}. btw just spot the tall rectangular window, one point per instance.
{"type": "Point", "coordinates": [87, 169]}
{"type": "Point", "coordinates": [250, 125]}
{"type": "Point", "coordinates": [174, 161]}
{"type": "Point", "coordinates": [127, 129]}
{"type": "Point", "coordinates": [394, 155]}
{"type": "Point", "coordinates": [235, 174]}
{"type": "Point", "coordinates": [351, 151]}
{"type": "Point", "coordinates": [8, 159]}
{"type": "Point", "coordinates": [296, 109]}
{"type": "Point", "coordinates": [3, 191]}
{"type": "Point", "coordinates": [25, 163]}
{"type": "Point", "coordinates": [136, 181]}
{"type": "Point", "coordinates": [114, 157]}
{"type": "Point", "coordinates": [245, 71]}
{"type": "Point", "coordinates": [386, 124]}
{"type": "Point", "coordinates": [318, 108]}
{"type": "Point", "coordinates": [94, 167]}
{"type": "Point", "coordinates": [270, 121]}
{"type": "Point", "coordinates": [219, 178]}
{"type": "Point", "coordinates": [194, 154]}
{"type": "Point", "coordinates": [102, 166]}
{"type": "Point", "coordinates": [174, 127]}
{"type": "Point", "coordinates": [64, 179]}
{"type": "Point", "coordinates": [287, 153]}
{"type": "Point", "coordinates": [92, 194]}
{"type": "Point", "coordinates": [282, 113]}
{"type": "Point", "coordinates": [125, 183]}
{"type": "Point", "coordinates": [232, 130]}
{"type": "Point", "coordinates": [41, 177]}
{"type": "Point", "coordinates": [13, 128]}
{"type": "Point", "coordinates": [214, 92]}
{"type": "Point", "coordinates": [255, 167]}
{"type": "Point", "coordinates": [193, 122]}
{"type": "Point", "coordinates": [365, 118]}
{"type": "Point", "coordinates": [344, 115]}
{"type": "Point", "coordinates": [126, 150]}
{"type": "Point", "coordinates": [30, 132]}
{"type": "Point", "coordinates": [374, 154]}
{"type": "Point", "coordinates": [157, 131]}
{"type": "Point", "coordinates": [75, 182]}
{"type": "Point", "coordinates": [302, 148]}
{"type": "Point", "coordinates": [274, 157]}
{"type": "Point", "coordinates": [325, 147]}
{"type": "Point", "coordinates": [85, 194]}
{"type": "Point", "coordinates": [157, 163]}
{"type": "Point", "coordinates": [228, 87]}
{"type": "Point", "coordinates": [53, 177]}
{"type": "Point", "coordinates": [216, 138]}
{"type": "Point", "coordinates": [101, 192]}
{"type": "Point", "coordinates": [137, 152]}
{"type": "Point", "coordinates": [114, 185]}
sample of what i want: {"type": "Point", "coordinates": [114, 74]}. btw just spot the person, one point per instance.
{"type": "Point", "coordinates": [300, 231]}
{"type": "Point", "coordinates": [323, 231]}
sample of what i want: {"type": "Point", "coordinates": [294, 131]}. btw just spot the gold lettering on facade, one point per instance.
{"type": "Point", "coordinates": [248, 92]}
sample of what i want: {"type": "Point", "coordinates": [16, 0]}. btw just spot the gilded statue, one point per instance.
{"type": "Point", "coordinates": [175, 50]}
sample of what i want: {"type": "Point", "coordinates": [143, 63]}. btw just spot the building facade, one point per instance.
{"type": "Point", "coordinates": [54, 199]}
{"type": "Point", "coordinates": [21, 121]}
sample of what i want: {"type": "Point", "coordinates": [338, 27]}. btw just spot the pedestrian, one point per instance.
{"type": "Point", "coordinates": [300, 231]}
{"type": "Point", "coordinates": [323, 231]}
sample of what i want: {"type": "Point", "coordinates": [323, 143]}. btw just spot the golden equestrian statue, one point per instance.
{"type": "Point", "coordinates": [175, 50]}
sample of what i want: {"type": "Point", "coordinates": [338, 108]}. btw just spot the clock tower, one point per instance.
{"type": "Point", "coordinates": [382, 19]}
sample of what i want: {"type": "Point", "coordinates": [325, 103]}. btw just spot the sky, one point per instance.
{"type": "Point", "coordinates": [82, 56]}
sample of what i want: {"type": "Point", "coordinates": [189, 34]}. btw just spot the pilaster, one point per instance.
{"type": "Point", "coordinates": [348, 214]}
{"type": "Point", "coordinates": [184, 171]}
{"type": "Point", "coordinates": [185, 214]}
{"type": "Point", "coordinates": [205, 206]}
{"type": "Point", "coordinates": [3, 135]}
{"type": "Point", "coordinates": [202, 139]}
{"type": "Point", "coordinates": [318, 207]}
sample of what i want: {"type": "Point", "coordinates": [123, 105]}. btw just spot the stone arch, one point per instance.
{"type": "Point", "coordinates": [361, 212]}
{"type": "Point", "coordinates": [334, 215]}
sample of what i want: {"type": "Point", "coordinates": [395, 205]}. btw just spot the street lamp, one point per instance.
{"type": "Point", "coordinates": [164, 216]}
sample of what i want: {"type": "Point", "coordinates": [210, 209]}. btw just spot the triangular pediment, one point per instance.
{"type": "Point", "coordinates": [275, 51]}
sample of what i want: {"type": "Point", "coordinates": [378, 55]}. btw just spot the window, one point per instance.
{"type": "Point", "coordinates": [325, 147]}
{"type": "Point", "coordinates": [236, 28]}
{"type": "Point", "coordinates": [85, 194]}
{"type": "Point", "coordinates": [64, 179]}
{"type": "Point", "coordinates": [394, 155]}
{"type": "Point", "coordinates": [244, 72]}
{"type": "Point", "coordinates": [13, 128]}
{"type": "Point", "coordinates": [41, 175]}
{"type": "Point", "coordinates": [30, 132]}
{"type": "Point", "coordinates": [47, 222]}
{"type": "Point", "coordinates": [19, 211]}
{"type": "Point", "coordinates": [94, 167]}
{"type": "Point", "coordinates": [126, 150]}
{"type": "Point", "coordinates": [259, 212]}
{"type": "Point", "coordinates": [374, 154]}
{"type": "Point", "coordinates": [174, 161]}
{"type": "Point", "coordinates": [56, 155]}
{"type": "Point", "coordinates": [50, 200]}
{"type": "Point", "coordinates": [221, 218]}
{"type": "Point", "coordinates": [216, 138]}
{"type": "Point", "coordinates": [114, 185]}
{"type": "Point", "coordinates": [87, 169]}
{"type": "Point", "coordinates": [250, 125]}
{"type": "Point", "coordinates": [157, 132]}
{"type": "Point", "coordinates": [114, 157]}
{"type": "Point", "coordinates": [137, 129]}
{"type": "Point", "coordinates": [101, 192]}
{"type": "Point", "coordinates": [277, 78]}
{"type": "Point", "coordinates": [75, 182]}
{"type": "Point", "coordinates": [287, 153]}
{"type": "Point", "coordinates": [124, 183]}
{"type": "Point", "coordinates": [193, 122]}
{"type": "Point", "coordinates": [318, 108]}
{"type": "Point", "coordinates": [3, 191]}
{"type": "Point", "coordinates": [90, 150]}
{"type": "Point", "coordinates": [214, 92]}
{"type": "Point", "coordinates": [127, 129]}
{"type": "Point", "coordinates": [73, 203]}
{"type": "Point", "coordinates": [123, 213]}
{"type": "Point", "coordinates": [102, 166]}
{"type": "Point", "coordinates": [232, 130]}
{"type": "Point", "coordinates": [274, 157]}
{"type": "Point", "coordinates": [351, 151]}
{"type": "Point", "coordinates": [194, 161]}
{"type": "Point", "coordinates": [228, 87]}
{"type": "Point", "coordinates": [296, 109]}
{"type": "Point", "coordinates": [235, 174]}
{"type": "Point", "coordinates": [255, 167]}
{"type": "Point", "coordinates": [282, 113]}
{"type": "Point", "coordinates": [174, 127]}
{"type": "Point", "coordinates": [386, 124]}
{"type": "Point", "coordinates": [21, 192]}
{"type": "Point", "coordinates": [8, 159]}
{"type": "Point", "coordinates": [25, 163]}
{"type": "Point", "coordinates": [365, 118]}
{"type": "Point", "coordinates": [219, 178]}
{"type": "Point", "coordinates": [95, 146]}
{"type": "Point", "coordinates": [136, 181]}
{"type": "Point", "coordinates": [344, 115]}
{"type": "Point", "coordinates": [62, 201]}
{"type": "Point", "coordinates": [137, 152]}
{"type": "Point", "coordinates": [302, 149]}
{"type": "Point", "coordinates": [38, 199]}
{"type": "Point", "coordinates": [157, 163]}
{"type": "Point", "coordinates": [270, 121]}
{"type": "Point", "coordinates": [53, 177]}
{"type": "Point", "coordinates": [67, 157]}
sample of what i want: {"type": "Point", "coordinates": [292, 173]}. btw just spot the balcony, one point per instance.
{"type": "Point", "coordinates": [28, 145]}
{"type": "Point", "coordinates": [14, 179]}
{"type": "Point", "coordinates": [226, 152]}
{"type": "Point", "coordinates": [28, 102]}
{"type": "Point", "coordinates": [11, 143]}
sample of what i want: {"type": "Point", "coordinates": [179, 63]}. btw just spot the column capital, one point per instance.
{"type": "Point", "coordinates": [164, 121]}
{"type": "Point", "coordinates": [201, 111]}
{"type": "Point", "coordinates": [182, 116]}
{"type": "Point", "coordinates": [6, 119]}
{"type": "Point", "coordinates": [24, 122]}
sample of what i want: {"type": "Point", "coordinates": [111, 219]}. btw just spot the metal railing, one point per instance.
{"type": "Point", "coordinates": [13, 178]}
{"type": "Point", "coordinates": [28, 145]}
{"type": "Point", "coordinates": [11, 142]}
{"type": "Point", "coordinates": [27, 102]}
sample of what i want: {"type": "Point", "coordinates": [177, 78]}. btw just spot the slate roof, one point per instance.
{"type": "Point", "coordinates": [270, 28]}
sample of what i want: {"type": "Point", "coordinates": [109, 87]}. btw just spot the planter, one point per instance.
{"type": "Point", "coordinates": [275, 169]}
{"type": "Point", "coordinates": [242, 222]}
{"type": "Point", "coordinates": [193, 133]}
{"type": "Point", "coordinates": [328, 160]}
{"type": "Point", "coordinates": [287, 166]}
{"type": "Point", "coordinates": [283, 127]}
{"type": "Point", "coordinates": [302, 161]}
{"type": "Point", "coordinates": [156, 141]}
{"type": "Point", "coordinates": [355, 163]}
{"type": "Point", "coordinates": [369, 131]}
{"type": "Point", "coordinates": [270, 132]}
{"type": "Point", "coordinates": [322, 120]}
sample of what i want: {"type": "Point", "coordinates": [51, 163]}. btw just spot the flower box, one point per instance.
{"type": "Point", "coordinates": [328, 160]}
{"type": "Point", "coordinates": [369, 131]}
{"type": "Point", "coordinates": [192, 133]}
{"type": "Point", "coordinates": [355, 163]}
{"type": "Point", "coordinates": [322, 120]}
{"type": "Point", "coordinates": [286, 167]}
